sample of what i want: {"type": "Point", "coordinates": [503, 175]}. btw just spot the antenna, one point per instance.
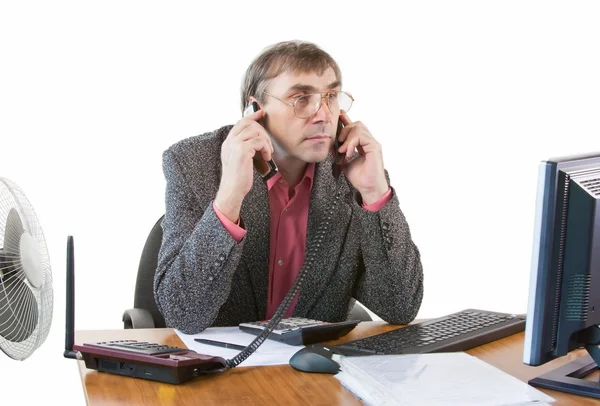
{"type": "Point", "coordinates": [70, 316]}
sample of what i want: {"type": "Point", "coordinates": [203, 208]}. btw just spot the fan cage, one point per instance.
{"type": "Point", "coordinates": [11, 266]}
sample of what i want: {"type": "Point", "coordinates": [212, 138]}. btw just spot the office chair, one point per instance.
{"type": "Point", "coordinates": [145, 313]}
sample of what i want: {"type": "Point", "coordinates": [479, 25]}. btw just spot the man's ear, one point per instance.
{"type": "Point", "coordinates": [253, 99]}
{"type": "Point", "coordinates": [247, 109]}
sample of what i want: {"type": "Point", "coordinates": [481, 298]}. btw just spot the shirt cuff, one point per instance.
{"type": "Point", "coordinates": [376, 206]}
{"type": "Point", "coordinates": [232, 228]}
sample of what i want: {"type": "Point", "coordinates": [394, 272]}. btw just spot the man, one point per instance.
{"type": "Point", "coordinates": [234, 243]}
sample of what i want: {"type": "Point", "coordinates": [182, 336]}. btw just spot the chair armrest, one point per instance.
{"type": "Point", "coordinates": [137, 318]}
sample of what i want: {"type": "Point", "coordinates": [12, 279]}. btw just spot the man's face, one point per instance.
{"type": "Point", "coordinates": [308, 139]}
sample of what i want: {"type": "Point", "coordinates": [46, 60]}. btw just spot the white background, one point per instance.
{"type": "Point", "coordinates": [466, 98]}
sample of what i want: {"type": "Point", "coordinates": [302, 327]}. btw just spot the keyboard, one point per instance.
{"type": "Point", "coordinates": [456, 332]}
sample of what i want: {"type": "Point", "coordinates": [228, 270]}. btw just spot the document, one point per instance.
{"type": "Point", "coordinates": [434, 379]}
{"type": "Point", "coordinates": [271, 352]}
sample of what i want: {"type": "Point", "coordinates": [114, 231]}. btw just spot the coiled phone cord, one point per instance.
{"type": "Point", "coordinates": [287, 301]}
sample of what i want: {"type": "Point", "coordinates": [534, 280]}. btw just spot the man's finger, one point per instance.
{"type": "Point", "coordinates": [352, 144]}
{"type": "Point", "coordinates": [249, 132]}
{"type": "Point", "coordinates": [362, 143]}
{"type": "Point", "coordinates": [247, 121]}
{"type": "Point", "coordinates": [345, 136]}
{"type": "Point", "coordinates": [255, 131]}
{"type": "Point", "coordinates": [261, 145]}
{"type": "Point", "coordinates": [344, 118]}
{"type": "Point", "coordinates": [345, 132]}
{"type": "Point", "coordinates": [348, 147]}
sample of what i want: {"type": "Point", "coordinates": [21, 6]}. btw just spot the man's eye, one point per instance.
{"type": "Point", "coordinates": [302, 100]}
{"type": "Point", "coordinates": [333, 95]}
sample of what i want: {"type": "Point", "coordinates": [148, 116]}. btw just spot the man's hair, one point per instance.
{"type": "Point", "coordinates": [288, 56]}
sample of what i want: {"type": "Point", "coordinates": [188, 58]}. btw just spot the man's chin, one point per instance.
{"type": "Point", "coordinates": [315, 157]}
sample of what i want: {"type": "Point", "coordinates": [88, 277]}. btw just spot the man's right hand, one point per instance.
{"type": "Point", "coordinates": [243, 141]}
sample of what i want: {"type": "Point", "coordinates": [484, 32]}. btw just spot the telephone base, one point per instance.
{"type": "Point", "coordinates": [173, 365]}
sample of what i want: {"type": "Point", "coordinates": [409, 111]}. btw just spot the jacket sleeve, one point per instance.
{"type": "Point", "coordinates": [390, 281]}
{"type": "Point", "coordinates": [197, 258]}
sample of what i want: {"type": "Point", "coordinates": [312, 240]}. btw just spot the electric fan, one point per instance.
{"type": "Point", "coordinates": [26, 298]}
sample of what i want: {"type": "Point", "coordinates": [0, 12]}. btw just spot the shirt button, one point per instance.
{"type": "Point", "coordinates": [280, 180]}
{"type": "Point", "coordinates": [286, 209]}
{"type": "Point", "coordinates": [280, 262]}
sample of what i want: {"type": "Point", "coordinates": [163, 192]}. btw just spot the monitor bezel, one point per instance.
{"type": "Point", "coordinates": [543, 241]}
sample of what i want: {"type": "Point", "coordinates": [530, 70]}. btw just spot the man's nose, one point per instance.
{"type": "Point", "coordinates": [323, 114]}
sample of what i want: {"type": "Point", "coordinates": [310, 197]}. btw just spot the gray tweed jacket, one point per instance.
{"type": "Point", "coordinates": [204, 278]}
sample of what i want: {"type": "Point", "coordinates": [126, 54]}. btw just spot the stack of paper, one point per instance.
{"type": "Point", "coordinates": [433, 379]}
{"type": "Point", "coordinates": [271, 352]}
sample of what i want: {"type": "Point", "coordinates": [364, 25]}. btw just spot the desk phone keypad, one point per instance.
{"type": "Point", "coordinates": [289, 324]}
{"type": "Point", "coordinates": [140, 347]}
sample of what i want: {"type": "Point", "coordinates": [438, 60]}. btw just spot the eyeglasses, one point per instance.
{"type": "Point", "coordinates": [307, 105]}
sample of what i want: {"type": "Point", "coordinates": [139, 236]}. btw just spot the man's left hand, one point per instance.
{"type": "Point", "coordinates": [365, 172]}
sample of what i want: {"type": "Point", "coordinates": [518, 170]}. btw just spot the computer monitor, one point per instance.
{"type": "Point", "coordinates": [564, 294]}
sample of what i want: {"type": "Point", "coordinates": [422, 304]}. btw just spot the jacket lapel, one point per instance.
{"type": "Point", "coordinates": [256, 216]}
{"type": "Point", "coordinates": [326, 246]}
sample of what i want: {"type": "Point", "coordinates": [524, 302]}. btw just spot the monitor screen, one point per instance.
{"type": "Point", "coordinates": [564, 294]}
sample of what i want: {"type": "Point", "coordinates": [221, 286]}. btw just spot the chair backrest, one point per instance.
{"type": "Point", "coordinates": [144, 289]}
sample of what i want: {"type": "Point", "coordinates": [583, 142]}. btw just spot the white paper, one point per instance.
{"type": "Point", "coordinates": [434, 379]}
{"type": "Point", "coordinates": [269, 353]}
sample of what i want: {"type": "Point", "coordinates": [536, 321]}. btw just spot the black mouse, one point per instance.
{"type": "Point", "coordinates": [315, 358]}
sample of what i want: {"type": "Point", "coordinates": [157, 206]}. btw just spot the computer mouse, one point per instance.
{"type": "Point", "coordinates": [315, 358]}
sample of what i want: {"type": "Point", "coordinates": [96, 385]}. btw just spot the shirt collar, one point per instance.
{"type": "Point", "coordinates": [309, 174]}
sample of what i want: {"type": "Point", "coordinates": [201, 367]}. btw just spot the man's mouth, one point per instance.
{"type": "Point", "coordinates": [318, 138]}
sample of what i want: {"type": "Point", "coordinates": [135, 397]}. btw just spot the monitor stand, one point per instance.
{"type": "Point", "coordinates": [570, 377]}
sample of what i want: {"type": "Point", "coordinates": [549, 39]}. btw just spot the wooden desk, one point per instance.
{"type": "Point", "coordinates": [276, 384]}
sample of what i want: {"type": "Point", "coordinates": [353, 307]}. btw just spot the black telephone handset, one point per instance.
{"type": "Point", "coordinates": [338, 159]}
{"type": "Point", "coordinates": [267, 169]}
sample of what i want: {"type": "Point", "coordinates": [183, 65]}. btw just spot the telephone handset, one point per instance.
{"type": "Point", "coordinates": [267, 169]}
{"type": "Point", "coordinates": [338, 159]}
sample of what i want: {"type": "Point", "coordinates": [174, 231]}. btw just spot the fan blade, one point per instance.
{"type": "Point", "coordinates": [12, 235]}
{"type": "Point", "coordinates": [18, 310]}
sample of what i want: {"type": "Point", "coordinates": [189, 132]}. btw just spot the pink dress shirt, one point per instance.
{"type": "Point", "coordinates": [289, 221]}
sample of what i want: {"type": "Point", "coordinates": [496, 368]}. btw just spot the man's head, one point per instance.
{"type": "Point", "coordinates": [276, 79]}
